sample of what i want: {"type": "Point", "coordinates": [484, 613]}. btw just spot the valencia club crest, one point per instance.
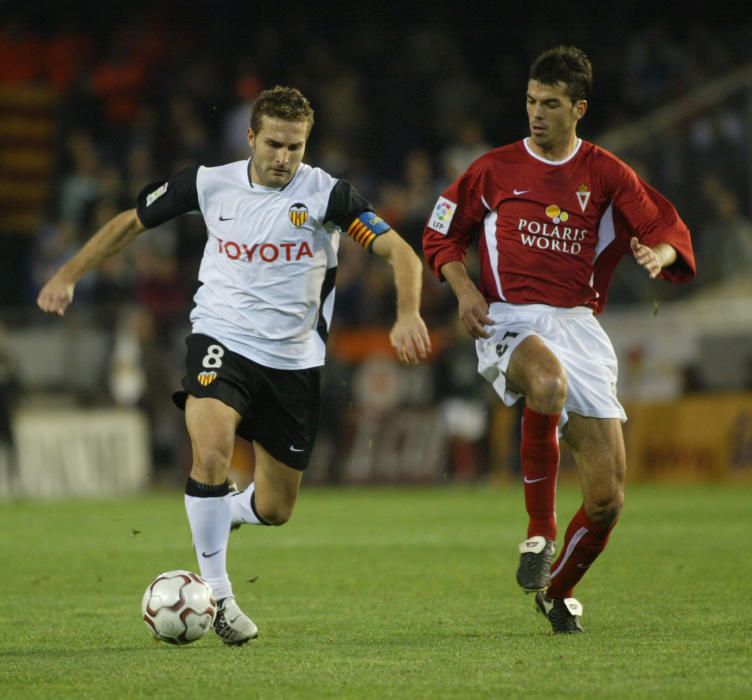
{"type": "Point", "coordinates": [298, 214]}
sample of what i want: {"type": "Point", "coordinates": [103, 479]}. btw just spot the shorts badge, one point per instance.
{"type": "Point", "coordinates": [206, 378]}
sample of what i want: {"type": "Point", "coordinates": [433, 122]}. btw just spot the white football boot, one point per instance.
{"type": "Point", "coordinates": [232, 625]}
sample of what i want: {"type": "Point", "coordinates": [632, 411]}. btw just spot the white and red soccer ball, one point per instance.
{"type": "Point", "coordinates": [178, 607]}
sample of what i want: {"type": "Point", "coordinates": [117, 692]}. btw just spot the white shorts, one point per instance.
{"type": "Point", "coordinates": [579, 343]}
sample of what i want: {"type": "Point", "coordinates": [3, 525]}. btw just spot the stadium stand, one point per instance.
{"type": "Point", "coordinates": [95, 104]}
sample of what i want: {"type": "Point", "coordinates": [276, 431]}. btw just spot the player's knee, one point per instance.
{"type": "Point", "coordinates": [548, 392]}
{"type": "Point", "coordinates": [276, 514]}
{"type": "Point", "coordinates": [605, 510]}
{"type": "Point", "coordinates": [210, 464]}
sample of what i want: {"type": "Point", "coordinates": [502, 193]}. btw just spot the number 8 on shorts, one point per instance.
{"type": "Point", "coordinates": [213, 357]}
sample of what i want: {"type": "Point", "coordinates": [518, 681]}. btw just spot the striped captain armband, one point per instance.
{"type": "Point", "coordinates": [365, 227]}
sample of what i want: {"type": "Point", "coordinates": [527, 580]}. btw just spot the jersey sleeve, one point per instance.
{"type": "Point", "coordinates": [455, 217]}
{"type": "Point", "coordinates": [651, 217]}
{"type": "Point", "coordinates": [161, 201]}
{"type": "Point", "coordinates": [353, 213]}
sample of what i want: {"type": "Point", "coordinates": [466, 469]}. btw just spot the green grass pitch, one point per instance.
{"type": "Point", "coordinates": [383, 593]}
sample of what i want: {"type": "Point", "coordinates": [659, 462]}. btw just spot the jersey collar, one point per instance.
{"type": "Point", "coordinates": [574, 152]}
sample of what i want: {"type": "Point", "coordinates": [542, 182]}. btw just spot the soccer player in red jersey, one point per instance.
{"type": "Point", "coordinates": [552, 216]}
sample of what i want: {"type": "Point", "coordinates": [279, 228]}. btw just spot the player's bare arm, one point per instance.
{"type": "Point", "coordinates": [409, 335]}
{"type": "Point", "coordinates": [57, 295]}
{"type": "Point", "coordinates": [653, 259]}
{"type": "Point", "coordinates": [473, 308]}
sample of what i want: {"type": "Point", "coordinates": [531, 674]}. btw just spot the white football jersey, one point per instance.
{"type": "Point", "coordinates": [269, 265]}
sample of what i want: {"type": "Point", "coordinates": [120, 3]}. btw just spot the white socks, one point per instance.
{"type": "Point", "coordinates": [211, 510]}
{"type": "Point", "coordinates": [209, 518]}
{"type": "Point", "coordinates": [241, 510]}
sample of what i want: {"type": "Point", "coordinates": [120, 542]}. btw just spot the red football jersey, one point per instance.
{"type": "Point", "coordinates": [552, 232]}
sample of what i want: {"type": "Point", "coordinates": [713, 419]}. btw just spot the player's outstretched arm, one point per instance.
{"type": "Point", "coordinates": [57, 295]}
{"type": "Point", "coordinates": [653, 259]}
{"type": "Point", "coordinates": [409, 335]}
{"type": "Point", "coordinates": [473, 308]}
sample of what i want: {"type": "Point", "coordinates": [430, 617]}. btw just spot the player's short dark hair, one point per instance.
{"type": "Point", "coordinates": [566, 64]}
{"type": "Point", "coordinates": [281, 102]}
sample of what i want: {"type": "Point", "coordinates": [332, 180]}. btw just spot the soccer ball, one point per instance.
{"type": "Point", "coordinates": [178, 607]}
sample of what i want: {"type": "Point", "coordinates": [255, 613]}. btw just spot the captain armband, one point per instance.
{"type": "Point", "coordinates": [365, 227]}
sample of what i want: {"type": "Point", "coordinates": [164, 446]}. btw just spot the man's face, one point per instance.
{"type": "Point", "coordinates": [551, 113]}
{"type": "Point", "coordinates": [278, 148]}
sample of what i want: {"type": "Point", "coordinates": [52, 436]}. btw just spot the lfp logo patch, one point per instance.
{"type": "Point", "coordinates": [442, 215]}
{"type": "Point", "coordinates": [298, 214]}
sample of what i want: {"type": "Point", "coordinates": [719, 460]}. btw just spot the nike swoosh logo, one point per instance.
{"type": "Point", "coordinates": [516, 193]}
{"type": "Point", "coordinates": [533, 481]}
{"type": "Point", "coordinates": [295, 449]}
{"type": "Point", "coordinates": [206, 556]}
{"type": "Point", "coordinates": [226, 218]}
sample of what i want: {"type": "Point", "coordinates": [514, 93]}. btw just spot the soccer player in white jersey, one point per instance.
{"type": "Point", "coordinates": [552, 216]}
{"type": "Point", "coordinates": [260, 320]}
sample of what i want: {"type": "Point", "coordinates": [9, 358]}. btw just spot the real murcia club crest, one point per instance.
{"type": "Point", "coordinates": [206, 378]}
{"type": "Point", "coordinates": [583, 196]}
{"type": "Point", "coordinates": [298, 214]}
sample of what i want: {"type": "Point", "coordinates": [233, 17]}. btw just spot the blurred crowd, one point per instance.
{"type": "Point", "coordinates": [402, 108]}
